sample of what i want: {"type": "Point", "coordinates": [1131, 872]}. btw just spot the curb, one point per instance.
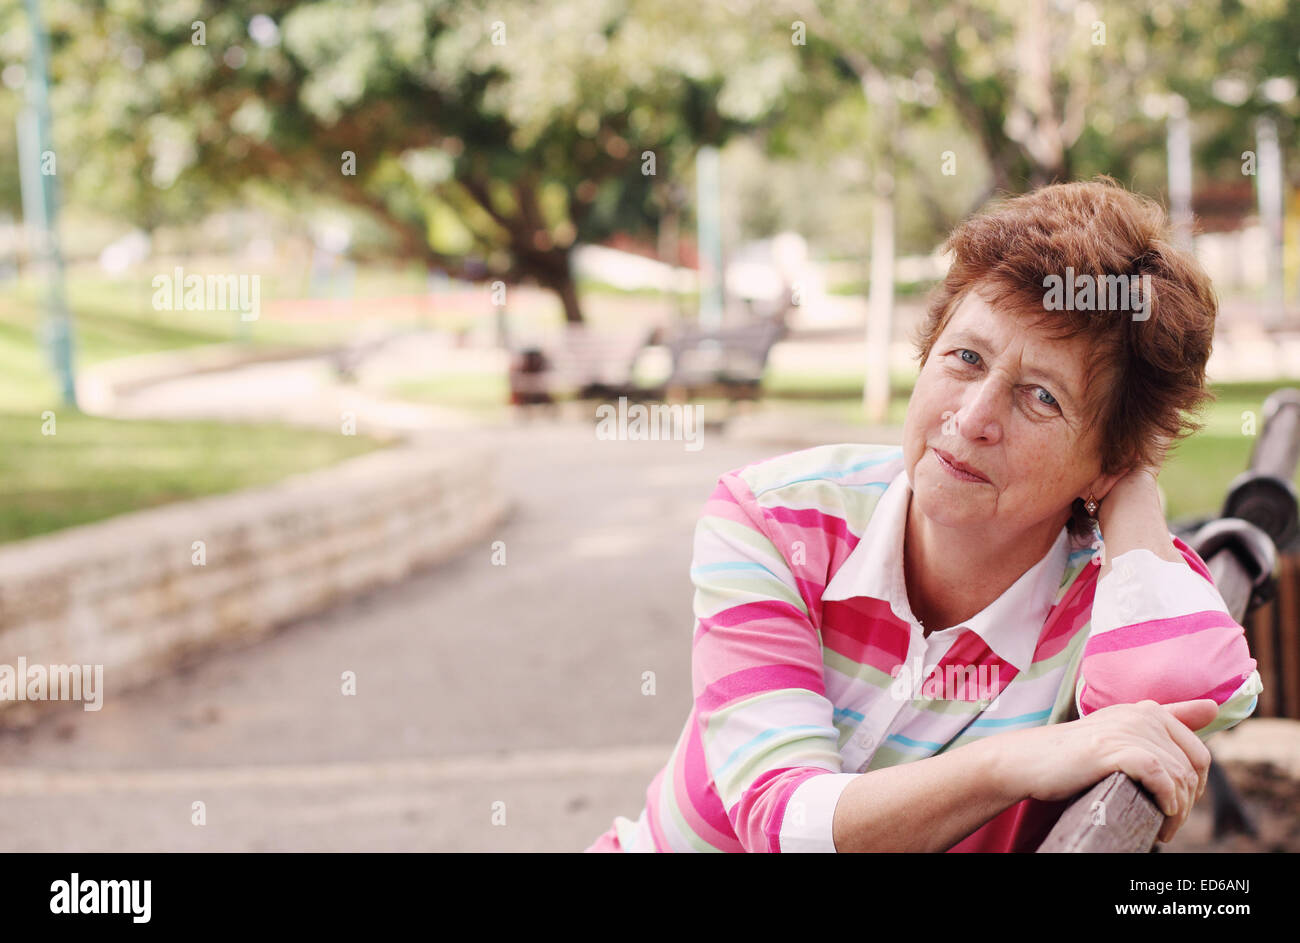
{"type": "Point", "coordinates": [100, 386]}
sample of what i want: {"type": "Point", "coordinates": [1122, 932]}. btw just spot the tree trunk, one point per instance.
{"type": "Point", "coordinates": [554, 270]}
{"type": "Point", "coordinates": [567, 289]}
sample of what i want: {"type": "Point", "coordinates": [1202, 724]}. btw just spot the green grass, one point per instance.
{"type": "Point", "coordinates": [93, 468]}
{"type": "Point", "coordinates": [1196, 476]}
{"type": "Point", "coordinates": [484, 394]}
{"type": "Point", "coordinates": [862, 288]}
{"type": "Point", "coordinates": [115, 317]}
{"type": "Point", "coordinates": [803, 385]}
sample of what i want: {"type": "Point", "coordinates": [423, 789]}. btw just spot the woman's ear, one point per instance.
{"type": "Point", "coordinates": [1101, 486]}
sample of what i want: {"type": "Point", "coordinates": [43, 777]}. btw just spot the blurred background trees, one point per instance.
{"type": "Point", "coordinates": [486, 138]}
{"type": "Point", "coordinates": [432, 149]}
{"type": "Point", "coordinates": [489, 140]}
{"type": "Point", "coordinates": [493, 138]}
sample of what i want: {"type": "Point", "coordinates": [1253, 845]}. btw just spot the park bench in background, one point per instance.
{"type": "Point", "coordinates": [1240, 550]}
{"type": "Point", "coordinates": [585, 363]}
{"type": "Point", "coordinates": [600, 364]}
{"type": "Point", "coordinates": [726, 363]}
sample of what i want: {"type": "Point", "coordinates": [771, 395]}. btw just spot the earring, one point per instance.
{"type": "Point", "coordinates": [1091, 506]}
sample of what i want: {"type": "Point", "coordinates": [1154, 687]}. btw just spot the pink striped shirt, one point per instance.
{"type": "Point", "coordinates": [810, 669]}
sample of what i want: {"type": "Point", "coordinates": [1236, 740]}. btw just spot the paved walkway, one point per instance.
{"type": "Point", "coordinates": [476, 684]}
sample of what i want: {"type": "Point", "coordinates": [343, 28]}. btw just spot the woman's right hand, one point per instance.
{"type": "Point", "coordinates": [1152, 743]}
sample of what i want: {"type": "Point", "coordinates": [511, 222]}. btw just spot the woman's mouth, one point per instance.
{"type": "Point", "coordinates": [957, 472]}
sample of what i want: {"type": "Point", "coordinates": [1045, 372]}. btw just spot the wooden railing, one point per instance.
{"type": "Point", "coordinates": [1240, 550]}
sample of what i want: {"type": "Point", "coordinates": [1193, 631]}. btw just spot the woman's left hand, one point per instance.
{"type": "Point", "coordinates": [1132, 515]}
{"type": "Point", "coordinates": [1137, 486]}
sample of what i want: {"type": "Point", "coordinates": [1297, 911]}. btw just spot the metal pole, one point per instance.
{"type": "Point", "coordinates": [1269, 189]}
{"type": "Point", "coordinates": [40, 206]}
{"type": "Point", "coordinates": [1179, 143]}
{"type": "Point", "coordinates": [709, 216]}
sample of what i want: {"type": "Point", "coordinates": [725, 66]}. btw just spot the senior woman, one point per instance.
{"type": "Point", "coordinates": [935, 646]}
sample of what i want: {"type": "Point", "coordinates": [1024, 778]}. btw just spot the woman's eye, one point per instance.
{"type": "Point", "coordinates": [973, 360]}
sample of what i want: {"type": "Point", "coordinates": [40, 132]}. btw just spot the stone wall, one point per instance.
{"type": "Point", "coordinates": [140, 591]}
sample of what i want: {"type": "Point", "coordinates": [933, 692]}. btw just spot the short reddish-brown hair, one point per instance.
{"type": "Point", "coordinates": [1146, 377]}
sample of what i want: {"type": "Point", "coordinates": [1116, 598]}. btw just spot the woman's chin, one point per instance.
{"type": "Point", "coordinates": [951, 518]}
{"type": "Point", "coordinates": [947, 508]}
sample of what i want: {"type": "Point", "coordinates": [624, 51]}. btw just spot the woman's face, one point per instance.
{"type": "Point", "coordinates": [998, 395]}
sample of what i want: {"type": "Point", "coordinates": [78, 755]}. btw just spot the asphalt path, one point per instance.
{"type": "Point", "coordinates": [497, 707]}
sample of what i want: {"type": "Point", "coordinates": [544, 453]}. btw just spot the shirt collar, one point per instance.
{"type": "Point", "coordinates": [875, 569]}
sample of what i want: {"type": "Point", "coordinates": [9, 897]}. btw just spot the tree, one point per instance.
{"type": "Point", "coordinates": [508, 131]}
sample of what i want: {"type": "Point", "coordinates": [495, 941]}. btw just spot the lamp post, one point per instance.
{"type": "Point", "coordinates": [38, 169]}
{"type": "Point", "coordinates": [709, 227]}
{"type": "Point", "coordinates": [1268, 188]}
{"type": "Point", "coordinates": [1179, 155]}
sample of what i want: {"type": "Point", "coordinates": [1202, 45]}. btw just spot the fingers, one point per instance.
{"type": "Point", "coordinates": [1168, 794]}
{"type": "Point", "coordinates": [1147, 767]}
{"type": "Point", "coordinates": [1195, 759]}
{"type": "Point", "coordinates": [1194, 714]}
{"type": "Point", "coordinates": [1156, 755]}
{"type": "Point", "coordinates": [1186, 759]}
{"type": "Point", "coordinates": [1156, 745]}
{"type": "Point", "coordinates": [1197, 753]}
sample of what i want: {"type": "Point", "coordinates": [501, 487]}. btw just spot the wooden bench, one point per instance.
{"type": "Point", "coordinates": [586, 364]}
{"type": "Point", "coordinates": [727, 362]}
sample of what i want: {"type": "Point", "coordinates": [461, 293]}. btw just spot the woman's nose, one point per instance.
{"type": "Point", "coordinates": [980, 416]}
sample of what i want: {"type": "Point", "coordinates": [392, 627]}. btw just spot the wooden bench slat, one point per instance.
{"type": "Point", "coordinates": [1288, 653]}
{"type": "Point", "coordinates": [1130, 818]}
{"type": "Point", "coordinates": [1261, 631]}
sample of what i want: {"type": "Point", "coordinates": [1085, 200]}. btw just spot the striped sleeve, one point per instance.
{"type": "Point", "coordinates": [757, 673]}
{"type": "Point", "coordinates": [1161, 631]}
